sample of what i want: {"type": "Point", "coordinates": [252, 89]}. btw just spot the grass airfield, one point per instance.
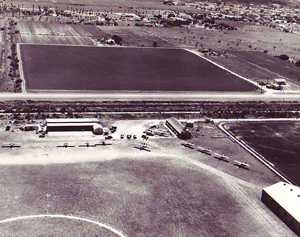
{"type": "Point", "coordinates": [170, 191]}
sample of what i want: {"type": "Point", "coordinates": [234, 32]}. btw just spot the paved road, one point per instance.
{"type": "Point", "coordinates": [188, 96]}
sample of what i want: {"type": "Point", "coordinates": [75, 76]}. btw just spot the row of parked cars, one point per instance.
{"type": "Point", "coordinates": [129, 136]}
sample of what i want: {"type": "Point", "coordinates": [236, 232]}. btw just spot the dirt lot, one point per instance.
{"type": "Point", "coordinates": [169, 191]}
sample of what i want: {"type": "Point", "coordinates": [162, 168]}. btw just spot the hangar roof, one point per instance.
{"type": "Point", "coordinates": [176, 124]}
{"type": "Point", "coordinates": [287, 196]}
{"type": "Point", "coordinates": [71, 124]}
{"type": "Point", "coordinates": [73, 120]}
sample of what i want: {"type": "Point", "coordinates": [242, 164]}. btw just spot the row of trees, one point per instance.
{"type": "Point", "coordinates": [13, 73]}
{"type": "Point", "coordinates": [203, 109]}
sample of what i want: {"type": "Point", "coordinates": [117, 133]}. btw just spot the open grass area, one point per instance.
{"type": "Point", "coordinates": [277, 141]}
{"type": "Point", "coordinates": [49, 67]}
{"type": "Point", "coordinates": [139, 197]}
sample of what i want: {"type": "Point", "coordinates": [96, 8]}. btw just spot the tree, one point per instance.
{"type": "Point", "coordinates": [283, 57]}
{"type": "Point", "coordinates": [117, 39]}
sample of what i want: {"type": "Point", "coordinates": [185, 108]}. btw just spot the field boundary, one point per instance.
{"type": "Point", "coordinates": [19, 55]}
{"type": "Point", "coordinates": [263, 90]}
{"type": "Point", "coordinates": [58, 216]}
{"type": "Point", "coordinates": [262, 159]}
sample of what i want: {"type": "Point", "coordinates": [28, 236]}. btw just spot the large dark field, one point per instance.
{"type": "Point", "coordinates": [278, 142]}
{"type": "Point", "coordinates": [127, 69]}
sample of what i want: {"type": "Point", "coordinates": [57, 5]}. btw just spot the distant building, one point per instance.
{"type": "Point", "coordinates": [280, 81]}
{"type": "Point", "coordinates": [178, 128]}
{"type": "Point", "coordinates": [284, 200]}
{"type": "Point", "coordinates": [73, 125]}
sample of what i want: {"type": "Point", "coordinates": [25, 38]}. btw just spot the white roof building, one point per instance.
{"type": "Point", "coordinates": [72, 120]}
{"type": "Point", "coordinates": [284, 200]}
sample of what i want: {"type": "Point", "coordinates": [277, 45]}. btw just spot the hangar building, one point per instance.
{"type": "Point", "coordinates": [178, 128]}
{"type": "Point", "coordinates": [73, 125]}
{"type": "Point", "coordinates": [284, 200]}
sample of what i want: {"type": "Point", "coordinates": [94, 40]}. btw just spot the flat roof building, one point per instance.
{"type": "Point", "coordinates": [74, 125]}
{"type": "Point", "coordinates": [72, 120]}
{"type": "Point", "coordinates": [178, 128]}
{"type": "Point", "coordinates": [284, 200]}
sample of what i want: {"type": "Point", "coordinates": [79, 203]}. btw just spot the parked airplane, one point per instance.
{"type": "Point", "coordinates": [188, 145]}
{"type": "Point", "coordinates": [87, 144]}
{"type": "Point", "coordinates": [65, 145]}
{"type": "Point", "coordinates": [221, 157]}
{"type": "Point", "coordinates": [11, 145]}
{"type": "Point", "coordinates": [240, 164]}
{"type": "Point", "coordinates": [103, 143]}
{"type": "Point", "coordinates": [142, 147]}
{"type": "Point", "coordinates": [204, 150]}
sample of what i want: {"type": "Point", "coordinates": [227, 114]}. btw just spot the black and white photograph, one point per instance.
{"type": "Point", "coordinates": [149, 118]}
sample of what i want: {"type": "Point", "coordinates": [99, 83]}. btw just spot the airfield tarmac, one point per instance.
{"type": "Point", "coordinates": [170, 191]}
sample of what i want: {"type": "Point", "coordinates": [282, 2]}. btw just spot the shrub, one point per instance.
{"type": "Point", "coordinates": [283, 57]}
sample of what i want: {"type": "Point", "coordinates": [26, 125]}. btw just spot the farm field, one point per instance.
{"type": "Point", "coordinates": [259, 38]}
{"type": "Point", "coordinates": [135, 36]}
{"type": "Point", "coordinates": [123, 69]}
{"type": "Point", "coordinates": [169, 191]}
{"type": "Point", "coordinates": [55, 33]}
{"type": "Point", "coordinates": [259, 66]}
{"type": "Point", "coordinates": [277, 141]}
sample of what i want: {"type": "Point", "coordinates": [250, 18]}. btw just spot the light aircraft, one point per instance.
{"type": "Point", "coordinates": [11, 145]}
{"type": "Point", "coordinates": [240, 164]}
{"type": "Point", "coordinates": [221, 157]}
{"type": "Point", "coordinates": [65, 145]}
{"type": "Point", "coordinates": [103, 143]}
{"type": "Point", "coordinates": [142, 147]}
{"type": "Point", "coordinates": [188, 145]}
{"type": "Point", "coordinates": [87, 144]}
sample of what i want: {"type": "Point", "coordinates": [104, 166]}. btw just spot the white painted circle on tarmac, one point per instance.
{"type": "Point", "coordinates": [101, 225]}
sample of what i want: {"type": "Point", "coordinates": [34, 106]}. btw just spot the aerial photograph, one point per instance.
{"type": "Point", "coordinates": [149, 118]}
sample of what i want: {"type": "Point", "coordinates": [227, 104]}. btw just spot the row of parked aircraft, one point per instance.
{"type": "Point", "coordinates": [208, 152]}
{"type": "Point", "coordinates": [65, 145]}
{"type": "Point", "coordinates": [87, 144]}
